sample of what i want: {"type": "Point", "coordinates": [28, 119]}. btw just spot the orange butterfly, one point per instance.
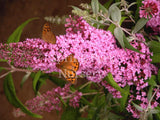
{"type": "Point", "coordinates": [47, 34]}
{"type": "Point", "coordinates": [68, 67]}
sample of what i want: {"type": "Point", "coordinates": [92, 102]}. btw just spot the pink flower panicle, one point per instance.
{"type": "Point", "coordinates": [96, 51]}
{"type": "Point", "coordinates": [150, 8]}
{"type": "Point", "coordinates": [154, 24]}
{"type": "Point", "coordinates": [32, 53]}
{"type": "Point", "coordinates": [51, 100]}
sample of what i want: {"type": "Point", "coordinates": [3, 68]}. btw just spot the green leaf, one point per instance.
{"type": "Point", "coordinates": [155, 58]}
{"type": "Point", "coordinates": [95, 6]}
{"type": "Point", "coordinates": [15, 36]}
{"type": "Point", "coordinates": [85, 101]}
{"type": "Point", "coordinates": [158, 38]}
{"type": "Point", "coordinates": [139, 25]}
{"type": "Point", "coordinates": [119, 36]}
{"type": "Point", "coordinates": [111, 28]}
{"type": "Point", "coordinates": [139, 108]}
{"type": "Point", "coordinates": [113, 116]}
{"type": "Point", "coordinates": [110, 80]}
{"type": "Point", "coordinates": [76, 8]}
{"type": "Point", "coordinates": [152, 80]}
{"type": "Point", "coordinates": [139, 3]}
{"type": "Point", "coordinates": [1, 68]}
{"type": "Point", "coordinates": [159, 76]}
{"type": "Point", "coordinates": [107, 4]}
{"type": "Point", "coordinates": [124, 98]}
{"type": "Point", "coordinates": [63, 101]}
{"type": "Point", "coordinates": [104, 10]}
{"type": "Point", "coordinates": [3, 60]}
{"type": "Point", "coordinates": [82, 118]}
{"type": "Point", "coordinates": [128, 45]}
{"type": "Point", "coordinates": [25, 78]}
{"type": "Point", "coordinates": [149, 94]}
{"type": "Point", "coordinates": [35, 81]}
{"type": "Point", "coordinates": [41, 81]}
{"type": "Point", "coordinates": [10, 93]}
{"type": "Point", "coordinates": [115, 13]}
{"type": "Point", "coordinates": [97, 22]}
{"type": "Point", "coordinates": [154, 111]}
{"type": "Point", "coordinates": [154, 46]}
{"type": "Point", "coordinates": [70, 114]}
{"type": "Point", "coordinates": [158, 114]}
{"type": "Point", "coordinates": [57, 81]}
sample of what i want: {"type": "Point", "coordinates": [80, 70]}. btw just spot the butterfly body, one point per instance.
{"type": "Point", "coordinates": [47, 34]}
{"type": "Point", "coordinates": [68, 68]}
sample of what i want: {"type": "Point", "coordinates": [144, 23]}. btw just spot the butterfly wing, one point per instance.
{"type": "Point", "coordinates": [68, 67]}
{"type": "Point", "coordinates": [69, 75]}
{"type": "Point", "coordinates": [47, 34]}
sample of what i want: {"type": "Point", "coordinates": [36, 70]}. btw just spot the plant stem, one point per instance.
{"type": "Point", "coordinates": [85, 84]}
{"type": "Point", "coordinates": [6, 74]}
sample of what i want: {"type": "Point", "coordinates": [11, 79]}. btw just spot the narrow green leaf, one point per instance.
{"type": "Point", "coordinates": [139, 3]}
{"type": "Point", "coordinates": [139, 108]}
{"type": "Point", "coordinates": [154, 111]}
{"type": "Point", "coordinates": [139, 25]}
{"type": "Point", "coordinates": [15, 36]}
{"type": "Point", "coordinates": [158, 38]}
{"type": "Point", "coordinates": [57, 81]}
{"type": "Point", "coordinates": [124, 98]}
{"type": "Point", "coordinates": [149, 94]}
{"type": "Point", "coordinates": [115, 13]}
{"type": "Point", "coordinates": [95, 100]}
{"type": "Point", "coordinates": [107, 4]}
{"type": "Point", "coordinates": [154, 46]}
{"type": "Point", "coordinates": [97, 22]}
{"type": "Point", "coordinates": [95, 6]}
{"type": "Point", "coordinates": [63, 101]}
{"type": "Point", "coordinates": [150, 116]}
{"type": "Point", "coordinates": [83, 100]}
{"type": "Point", "coordinates": [113, 116]}
{"type": "Point", "coordinates": [10, 93]}
{"type": "Point", "coordinates": [119, 36]}
{"type": "Point", "coordinates": [152, 80]}
{"type": "Point", "coordinates": [26, 76]}
{"type": "Point", "coordinates": [76, 8]}
{"type": "Point", "coordinates": [9, 90]}
{"type": "Point", "coordinates": [70, 114]}
{"type": "Point", "coordinates": [158, 114]}
{"type": "Point", "coordinates": [110, 80]}
{"type": "Point", "coordinates": [156, 58]}
{"type": "Point", "coordinates": [104, 10]}
{"type": "Point", "coordinates": [128, 45]}
{"type": "Point", "coordinates": [159, 76]}
{"type": "Point", "coordinates": [35, 81]}
{"type": "Point", "coordinates": [41, 81]}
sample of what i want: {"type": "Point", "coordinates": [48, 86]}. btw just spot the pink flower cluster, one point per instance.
{"type": "Point", "coordinates": [141, 97]}
{"type": "Point", "coordinates": [154, 24]}
{"type": "Point", "coordinates": [51, 100]}
{"type": "Point", "coordinates": [96, 51]}
{"type": "Point", "coordinates": [32, 53]}
{"type": "Point", "coordinates": [150, 8]}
